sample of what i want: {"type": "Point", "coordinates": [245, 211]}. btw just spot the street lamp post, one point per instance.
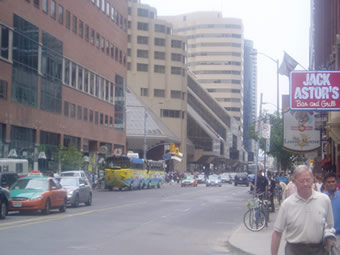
{"type": "Point", "coordinates": [145, 142]}
{"type": "Point", "coordinates": [259, 127]}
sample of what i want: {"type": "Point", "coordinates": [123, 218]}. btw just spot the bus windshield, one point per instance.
{"type": "Point", "coordinates": [115, 162]}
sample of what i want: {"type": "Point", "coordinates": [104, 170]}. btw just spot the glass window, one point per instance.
{"type": "Point", "coordinates": [142, 53]}
{"type": "Point", "coordinates": [160, 55]}
{"type": "Point", "coordinates": [4, 42]}
{"type": "Point", "coordinates": [73, 111]}
{"type": "Point", "coordinates": [159, 69]}
{"type": "Point", "coordinates": [97, 40]}
{"type": "Point", "coordinates": [102, 44]}
{"type": "Point", "coordinates": [160, 28]}
{"type": "Point", "coordinates": [98, 3]}
{"type": "Point", "coordinates": [112, 51]}
{"type": "Point", "coordinates": [144, 92]}
{"type": "Point", "coordinates": [3, 89]}
{"type": "Point", "coordinates": [36, 3]}
{"type": "Point", "coordinates": [45, 5]}
{"type": "Point", "coordinates": [108, 9]}
{"type": "Point", "coordinates": [159, 92]}
{"type": "Point", "coordinates": [107, 85]}
{"type": "Point", "coordinates": [53, 9]}
{"type": "Point", "coordinates": [79, 112]}
{"type": "Point", "coordinates": [86, 80]}
{"type": "Point", "coordinates": [91, 116]}
{"type": "Point", "coordinates": [87, 32]}
{"type": "Point", "coordinates": [142, 40]}
{"type": "Point", "coordinates": [68, 19]}
{"type": "Point", "coordinates": [176, 44]}
{"type": "Point", "coordinates": [176, 70]}
{"type": "Point", "coordinates": [106, 120]}
{"type": "Point", "coordinates": [74, 24]}
{"type": "Point", "coordinates": [142, 26]}
{"type": "Point", "coordinates": [92, 83]}
{"type": "Point", "coordinates": [67, 72]}
{"type": "Point", "coordinates": [85, 114]}
{"type": "Point", "coordinates": [112, 13]}
{"type": "Point", "coordinates": [96, 118]}
{"type": "Point", "coordinates": [176, 57]}
{"type": "Point", "coordinates": [66, 105]}
{"type": "Point", "coordinates": [80, 78]}
{"type": "Point", "coordinates": [73, 74]}
{"type": "Point", "coordinates": [81, 28]}
{"type": "Point", "coordinates": [103, 5]}
{"type": "Point", "coordinates": [101, 119]}
{"type": "Point", "coordinates": [143, 12]}
{"type": "Point", "coordinates": [92, 36]}
{"type": "Point", "coordinates": [107, 46]}
{"type": "Point", "coordinates": [98, 82]}
{"type": "Point", "coordinates": [142, 67]}
{"type": "Point", "coordinates": [102, 88]}
{"type": "Point", "coordinates": [60, 14]}
{"type": "Point", "coordinates": [159, 41]}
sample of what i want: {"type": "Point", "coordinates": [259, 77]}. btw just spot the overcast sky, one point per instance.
{"type": "Point", "coordinates": [273, 25]}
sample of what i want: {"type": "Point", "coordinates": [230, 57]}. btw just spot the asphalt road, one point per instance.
{"type": "Point", "coordinates": [170, 220]}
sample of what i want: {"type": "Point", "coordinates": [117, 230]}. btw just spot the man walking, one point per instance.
{"type": "Point", "coordinates": [306, 217]}
{"type": "Point", "coordinates": [331, 184]}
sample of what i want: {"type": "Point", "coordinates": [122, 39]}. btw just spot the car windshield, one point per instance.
{"type": "Point", "coordinates": [70, 174]}
{"type": "Point", "coordinates": [214, 177]}
{"type": "Point", "coordinates": [189, 177]}
{"type": "Point", "coordinates": [69, 181]}
{"type": "Point", "coordinates": [29, 184]}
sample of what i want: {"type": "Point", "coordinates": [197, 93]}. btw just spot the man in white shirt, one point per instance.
{"type": "Point", "coordinates": [307, 218]}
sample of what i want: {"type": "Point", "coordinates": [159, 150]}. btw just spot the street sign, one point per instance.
{"type": "Point", "coordinates": [314, 90]}
{"type": "Point", "coordinates": [166, 156]}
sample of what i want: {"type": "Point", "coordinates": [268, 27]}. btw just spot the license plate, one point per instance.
{"type": "Point", "coordinates": [17, 204]}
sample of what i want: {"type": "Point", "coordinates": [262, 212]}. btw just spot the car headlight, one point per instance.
{"type": "Point", "coordinates": [38, 197]}
{"type": "Point", "coordinates": [70, 192]}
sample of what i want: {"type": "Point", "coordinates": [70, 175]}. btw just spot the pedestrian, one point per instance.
{"type": "Point", "coordinates": [271, 190]}
{"type": "Point", "coordinates": [261, 183]}
{"type": "Point", "coordinates": [306, 217]}
{"type": "Point", "coordinates": [330, 184]}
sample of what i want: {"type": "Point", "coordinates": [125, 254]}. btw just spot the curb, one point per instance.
{"type": "Point", "coordinates": [239, 251]}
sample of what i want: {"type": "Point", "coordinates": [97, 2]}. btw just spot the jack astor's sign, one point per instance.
{"type": "Point", "coordinates": [315, 90]}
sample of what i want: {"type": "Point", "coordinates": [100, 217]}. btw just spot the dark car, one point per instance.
{"type": "Point", "coordinates": [7, 179]}
{"type": "Point", "coordinates": [241, 178]}
{"type": "Point", "coordinates": [4, 197]}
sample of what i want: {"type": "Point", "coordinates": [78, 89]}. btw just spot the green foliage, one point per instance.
{"type": "Point", "coordinates": [70, 158]}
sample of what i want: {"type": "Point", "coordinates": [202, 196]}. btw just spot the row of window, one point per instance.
{"type": "Point", "coordinates": [79, 77]}
{"type": "Point", "coordinates": [141, 12]}
{"type": "Point", "coordinates": [217, 72]}
{"type": "Point", "coordinates": [158, 28]}
{"type": "Point", "coordinates": [144, 40]}
{"type": "Point", "coordinates": [233, 109]}
{"type": "Point", "coordinates": [77, 26]}
{"type": "Point", "coordinates": [161, 93]}
{"type": "Point", "coordinates": [205, 26]}
{"type": "Point", "coordinates": [233, 100]}
{"type": "Point", "coordinates": [215, 63]}
{"type": "Point", "coordinates": [213, 35]}
{"type": "Point", "coordinates": [197, 54]}
{"type": "Point", "coordinates": [167, 113]}
{"type": "Point", "coordinates": [82, 113]}
{"type": "Point", "coordinates": [236, 91]}
{"type": "Point", "coordinates": [227, 81]}
{"type": "Point", "coordinates": [215, 44]}
{"type": "Point", "coordinates": [3, 89]}
{"type": "Point", "coordinates": [158, 55]}
{"type": "Point", "coordinates": [140, 67]}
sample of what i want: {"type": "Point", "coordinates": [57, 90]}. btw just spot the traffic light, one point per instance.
{"type": "Point", "coordinates": [172, 148]}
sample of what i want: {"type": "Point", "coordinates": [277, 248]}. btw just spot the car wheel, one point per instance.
{"type": "Point", "coordinates": [149, 185]}
{"type": "Point", "coordinates": [76, 201]}
{"type": "Point", "coordinates": [63, 207]}
{"type": "Point", "coordinates": [47, 208]}
{"type": "Point", "coordinates": [3, 209]}
{"type": "Point", "coordinates": [89, 200]}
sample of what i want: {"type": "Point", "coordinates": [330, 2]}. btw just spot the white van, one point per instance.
{"type": "Point", "coordinates": [11, 165]}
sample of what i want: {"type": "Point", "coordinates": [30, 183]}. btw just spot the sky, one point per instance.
{"type": "Point", "coordinates": [274, 26]}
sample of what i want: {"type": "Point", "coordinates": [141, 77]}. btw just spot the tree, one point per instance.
{"type": "Point", "coordinates": [69, 158]}
{"type": "Point", "coordinates": [286, 159]}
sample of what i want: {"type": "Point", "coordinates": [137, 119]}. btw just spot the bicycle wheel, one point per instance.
{"type": "Point", "coordinates": [254, 219]}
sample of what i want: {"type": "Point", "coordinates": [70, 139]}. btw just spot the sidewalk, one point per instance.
{"type": "Point", "coordinates": [255, 243]}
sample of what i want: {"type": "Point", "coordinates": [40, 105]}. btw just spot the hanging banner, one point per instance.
{"type": "Point", "coordinates": [314, 90]}
{"type": "Point", "coordinates": [299, 133]}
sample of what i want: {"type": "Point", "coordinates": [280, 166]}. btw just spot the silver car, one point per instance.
{"type": "Point", "coordinates": [78, 190]}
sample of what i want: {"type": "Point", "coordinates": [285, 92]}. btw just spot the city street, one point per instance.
{"type": "Point", "coordinates": [170, 220]}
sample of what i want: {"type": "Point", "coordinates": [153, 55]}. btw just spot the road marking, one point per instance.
{"type": "Point", "coordinates": [28, 222]}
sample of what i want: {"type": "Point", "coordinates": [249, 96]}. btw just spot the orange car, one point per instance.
{"type": "Point", "coordinates": [189, 181]}
{"type": "Point", "coordinates": [37, 193]}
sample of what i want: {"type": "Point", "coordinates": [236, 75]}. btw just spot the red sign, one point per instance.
{"type": "Point", "coordinates": [315, 90]}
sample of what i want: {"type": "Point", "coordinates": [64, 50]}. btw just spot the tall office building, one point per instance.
{"type": "Point", "coordinates": [62, 76]}
{"type": "Point", "coordinates": [157, 70]}
{"type": "Point", "coordinates": [215, 56]}
{"type": "Point", "coordinates": [250, 96]}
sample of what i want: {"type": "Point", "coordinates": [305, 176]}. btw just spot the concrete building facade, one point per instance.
{"type": "Point", "coordinates": [62, 76]}
{"type": "Point", "coordinates": [157, 70]}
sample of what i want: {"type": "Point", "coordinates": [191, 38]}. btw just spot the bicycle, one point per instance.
{"type": "Point", "coordinates": [257, 216]}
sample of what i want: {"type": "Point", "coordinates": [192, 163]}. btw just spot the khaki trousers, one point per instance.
{"type": "Point", "coordinates": [302, 249]}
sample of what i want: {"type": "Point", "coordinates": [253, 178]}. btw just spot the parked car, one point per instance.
{"type": "Point", "coordinates": [37, 193]}
{"type": "Point", "coordinates": [7, 179]}
{"type": "Point", "coordinates": [226, 178]}
{"type": "Point", "coordinates": [76, 173]}
{"type": "Point", "coordinates": [214, 180]}
{"type": "Point", "coordinates": [190, 180]}
{"type": "Point", "coordinates": [201, 178]}
{"type": "Point", "coordinates": [232, 176]}
{"type": "Point", "coordinates": [78, 191]}
{"type": "Point", "coordinates": [241, 178]}
{"type": "Point", "coordinates": [4, 198]}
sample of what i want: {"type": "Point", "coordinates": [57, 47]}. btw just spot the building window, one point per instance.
{"type": "Point", "coordinates": [4, 43]}
{"type": "Point", "coordinates": [73, 111]}
{"type": "Point", "coordinates": [112, 14]}
{"type": "Point", "coordinates": [142, 12]}
{"type": "Point", "coordinates": [60, 14]}
{"type": "Point", "coordinates": [144, 92]}
{"type": "Point", "coordinates": [80, 78]}
{"type": "Point", "coordinates": [68, 19]}
{"type": "Point", "coordinates": [108, 8]}
{"type": "Point", "coordinates": [129, 24]}
{"type": "Point", "coordinates": [176, 94]}
{"type": "Point", "coordinates": [159, 55]}
{"type": "Point", "coordinates": [129, 38]}
{"type": "Point", "coordinates": [142, 26]}
{"type": "Point", "coordinates": [67, 72]}
{"type": "Point", "coordinates": [102, 90]}
{"type": "Point", "coordinates": [142, 40]}
{"type": "Point", "coordinates": [87, 32]}
{"type": "Point", "coordinates": [129, 52]}
{"type": "Point", "coordinates": [142, 54]}
{"type": "Point", "coordinates": [45, 6]}
{"type": "Point", "coordinates": [73, 74]}
{"type": "Point", "coordinates": [66, 104]}
{"type": "Point", "coordinates": [129, 66]}
{"type": "Point", "coordinates": [107, 46]}
{"type": "Point", "coordinates": [79, 112]}
{"type": "Point", "coordinates": [81, 28]}
{"type": "Point", "coordinates": [142, 67]}
{"type": "Point", "coordinates": [159, 41]}
{"type": "Point", "coordinates": [3, 89]}
{"type": "Point", "coordinates": [172, 113]}
{"type": "Point", "coordinates": [102, 44]}
{"type": "Point", "coordinates": [106, 120]}
{"type": "Point", "coordinates": [160, 28]}
{"type": "Point", "coordinates": [176, 57]}
{"type": "Point", "coordinates": [86, 80]}
{"type": "Point", "coordinates": [92, 36]}
{"type": "Point", "coordinates": [36, 3]}
{"type": "Point", "coordinates": [53, 9]}
{"type": "Point", "coordinates": [91, 116]}
{"type": "Point", "coordinates": [101, 119]}
{"type": "Point", "coordinates": [176, 70]}
{"type": "Point", "coordinates": [103, 5]}
{"type": "Point", "coordinates": [98, 4]}
{"type": "Point", "coordinates": [111, 121]}
{"type": "Point", "coordinates": [159, 69]}
{"type": "Point", "coordinates": [159, 93]}
{"type": "Point", "coordinates": [176, 44]}
{"type": "Point", "coordinates": [97, 40]}
{"type": "Point", "coordinates": [85, 114]}
{"type": "Point", "coordinates": [74, 24]}
{"type": "Point", "coordinates": [92, 83]}
{"type": "Point", "coordinates": [96, 118]}
{"type": "Point", "coordinates": [112, 49]}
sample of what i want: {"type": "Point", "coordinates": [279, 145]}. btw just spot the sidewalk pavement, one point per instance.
{"type": "Point", "coordinates": [255, 243]}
